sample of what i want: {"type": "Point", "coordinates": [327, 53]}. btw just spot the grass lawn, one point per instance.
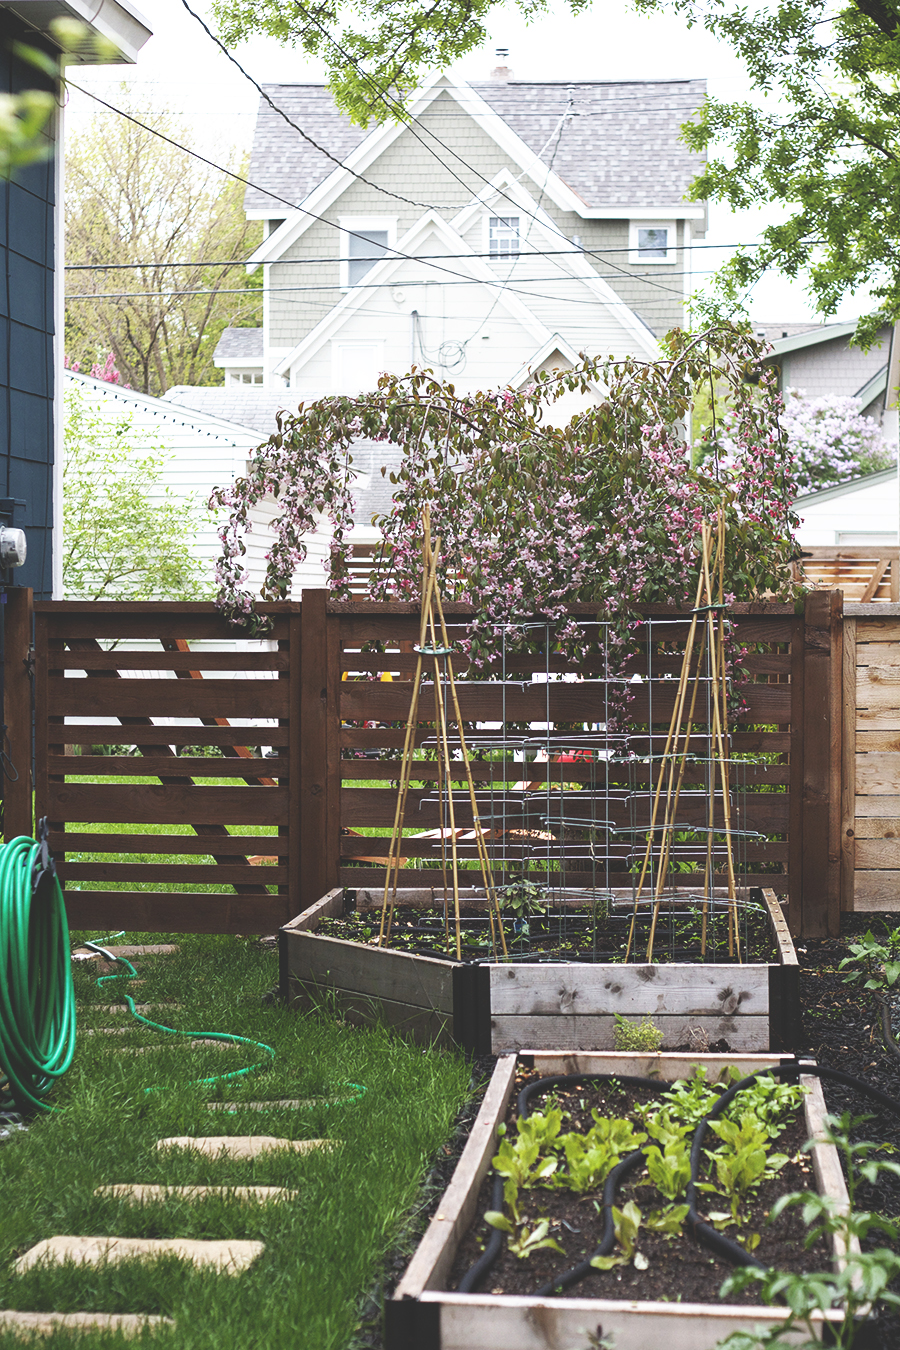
{"type": "Point", "coordinates": [323, 1250]}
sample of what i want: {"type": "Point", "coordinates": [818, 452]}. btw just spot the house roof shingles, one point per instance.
{"type": "Point", "coordinates": [239, 344]}
{"type": "Point", "coordinates": [620, 147]}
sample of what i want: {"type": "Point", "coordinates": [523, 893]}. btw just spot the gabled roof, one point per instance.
{"type": "Point", "coordinates": [826, 333]}
{"type": "Point", "coordinates": [873, 387]}
{"type": "Point", "coordinates": [252, 408]}
{"type": "Point", "coordinates": [239, 344]}
{"type": "Point", "coordinates": [207, 422]}
{"type": "Point", "coordinates": [618, 152]}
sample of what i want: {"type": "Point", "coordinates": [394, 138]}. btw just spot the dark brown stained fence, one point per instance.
{"type": "Point", "coordinates": [792, 718]}
{"type": "Point", "coordinates": [137, 665]}
{"type": "Point", "coordinates": [150, 676]}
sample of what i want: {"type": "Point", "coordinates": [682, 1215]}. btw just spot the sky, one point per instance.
{"type": "Point", "coordinates": [182, 70]}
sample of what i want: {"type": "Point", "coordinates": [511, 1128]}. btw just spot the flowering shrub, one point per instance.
{"type": "Point", "coordinates": [831, 440]}
{"type": "Point", "coordinates": [106, 372]}
{"type": "Point", "coordinates": [531, 517]}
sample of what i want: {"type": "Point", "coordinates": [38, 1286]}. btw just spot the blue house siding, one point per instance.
{"type": "Point", "coordinates": [27, 326]}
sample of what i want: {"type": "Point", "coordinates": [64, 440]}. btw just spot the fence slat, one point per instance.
{"type": "Point", "coordinates": [168, 804]}
{"type": "Point", "coordinates": [169, 698]}
{"type": "Point", "coordinates": [17, 780]}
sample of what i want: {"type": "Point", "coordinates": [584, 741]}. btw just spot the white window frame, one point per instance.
{"type": "Point", "coordinates": [486, 243]}
{"type": "Point", "coordinates": [634, 255]}
{"type": "Point", "coordinates": [256, 373]}
{"type": "Point", "coordinates": [362, 225]}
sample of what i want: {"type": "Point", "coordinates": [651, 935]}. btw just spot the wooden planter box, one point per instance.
{"type": "Point", "coordinates": [497, 1007]}
{"type": "Point", "coordinates": [424, 1315]}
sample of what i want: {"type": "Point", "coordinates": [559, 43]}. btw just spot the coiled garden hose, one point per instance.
{"type": "Point", "coordinates": [704, 1232]}
{"type": "Point", "coordinates": [37, 999]}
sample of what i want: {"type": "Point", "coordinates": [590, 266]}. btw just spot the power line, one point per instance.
{"type": "Point", "coordinates": [424, 257]}
{"type": "Point", "coordinates": [393, 253]}
{"type": "Point", "coordinates": [399, 112]}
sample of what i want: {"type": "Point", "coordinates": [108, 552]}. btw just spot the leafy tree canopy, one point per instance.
{"type": "Point", "coordinates": [131, 198]}
{"type": "Point", "coordinates": [824, 144]}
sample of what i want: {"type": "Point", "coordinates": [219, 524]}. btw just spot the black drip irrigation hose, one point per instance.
{"type": "Point", "coordinates": [703, 1232]}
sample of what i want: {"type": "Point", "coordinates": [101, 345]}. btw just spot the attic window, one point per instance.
{"type": "Point", "coordinates": [245, 377]}
{"type": "Point", "coordinates": [363, 251]}
{"type": "Point", "coordinates": [503, 236]}
{"type": "Point", "coordinates": [652, 241]}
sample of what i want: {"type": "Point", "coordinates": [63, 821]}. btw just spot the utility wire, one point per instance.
{"type": "Point", "coordinates": [424, 257]}
{"type": "Point", "coordinates": [392, 253]}
{"type": "Point", "coordinates": [399, 112]}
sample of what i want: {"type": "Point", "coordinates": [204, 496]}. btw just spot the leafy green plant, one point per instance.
{"type": "Point", "coordinates": [693, 1098]}
{"type": "Point", "coordinates": [771, 1103]}
{"type": "Point", "coordinates": [521, 1158]}
{"type": "Point", "coordinates": [522, 898]}
{"type": "Point", "coordinates": [857, 1287]}
{"type": "Point", "coordinates": [741, 1162]}
{"type": "Point", "coordinates": [876, 964]}
{"type": "Point", "coordinates": [668, 1220]}
{"type": "Point", "coordinates": [627, 1222]}
{"type": "Point", "coordinates": [633, 1035]}
{"type": "Point", "coordinates": [591, 1157]}
{"type": "Point", "coordinates": [670, 1167]}
{"type": "Point", "coordinates": [523, 1241]}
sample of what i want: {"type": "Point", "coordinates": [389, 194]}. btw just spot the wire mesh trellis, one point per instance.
{"type": "Point", "coordinates": [567, 809]}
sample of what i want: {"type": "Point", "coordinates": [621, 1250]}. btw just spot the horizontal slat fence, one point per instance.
{"type": "Point", "coordinates": [172, 682]}
{"type": "Point", "coordinates": [162, 677]}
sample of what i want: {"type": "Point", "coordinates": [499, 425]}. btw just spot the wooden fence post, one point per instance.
{"type": "Point", "coordinates": [17, 713]}
{"type": "Point", "coordinates": [848, 765]}
{"type": "Point", "coordinates": [320, 750]}
{"type": "Point", "coordinates": [820, 886]}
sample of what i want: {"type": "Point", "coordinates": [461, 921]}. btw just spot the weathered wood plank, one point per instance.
{"type": "Point", "coordinates": [149, 804]}
{"type": "Point", "coordinates": [876, 807]}
{"type": "Point", "coordinates": [151, 766]}
{"type": "Point", "coordinates": [243, 844]}
{"type": "Point", "coordinates": [877, 773]}
{"type": "Point", "coordinates": [434, 1255]}
{"type": "Point", "coordinates": [427, 1026]}
{"type": "Point", "coordinates": [787, 953]}
{"type": "Point", "coordinates": [877, 827]}
{"type": "Point", "coordinates": [517, 1322]}
{"type": "Point", "coordinates": [868, 742]}
{"type": "Point", "coordinates": [665, 1067]}
{"type": "Point", "coordinates": [877, 719]}
{"type": "Point", "coordinates": [100, 733]}
{"type": "Point", "coordinates": [172, 911]}
{"type": "Point", "coordinates": [575, 1032]}
{"type": "Point", "coordinates": [168, 698]}
{"type": "Point", "coordinates": [660, 990]}
{"type": "Point", "coordinates": [848, 763]}
{"type": "Point", "coordinates": [173, 661]}
{"type": "Point", "coordinates": [422, 981]}
{"type": "Point", "coordinates": [825, 1159]}
{"type": "Point", "coordinates": [331, 906]}
{"type": "Point", "coordinates": [876, 891]}
{"type": "Point", "coordinates": [877, 630]}
{"type": "Point", "coordinates": [875, 854]}
{"type": "Point", "coordinates": [213, 874]}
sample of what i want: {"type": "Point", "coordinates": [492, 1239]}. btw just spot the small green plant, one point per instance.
{"type": "Point", "coordinates": [876, 964]}
{"type": "Point", "coordinates": [741, 1162]}
{"type": "Point", "coordinates": [770, 1102]}
{"type": "Point", "coordinates": [591, 1157]}
{"type": "Point", "coordinates": [522, 1241]}
{"type": "Point", "coordinates": [692, 1099]}
{"type": "Point", "coordinates": [522, 1159]}
{"type": "Point", "coordinates": [864, 1278]}
{"type": "Point", "coordinates": [627, 1223]}
{"type": "Point", "coordinates": [670, 1167]}
{"type": "Point", "coordinates": [640, 1036]}
{"type": "Point", "coordinates": [522, 898]}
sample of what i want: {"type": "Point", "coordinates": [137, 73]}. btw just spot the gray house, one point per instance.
{"type": "Point", "coordinates": [820, 360]}
{"type": "Point", "coordinates": [508, 227]}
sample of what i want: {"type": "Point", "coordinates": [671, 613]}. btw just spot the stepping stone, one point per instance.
{"type": "Point", "coordinates": [138, 1007]}
{"type": "Point", "coordinates": [143, 1195]}
{"type": "Point", "coordinates": [157, 949]}
{"type": "Point", "coordinates": [45, 1323]}
{"type": "Point", "coordinates": [168, 1044]}
{"type": "Point", "coordinates": [228, 1257]}
{"type": "Point", "coordinates": [243, 1145]}
{"type": "Point", "coordinates": [291, 1103]}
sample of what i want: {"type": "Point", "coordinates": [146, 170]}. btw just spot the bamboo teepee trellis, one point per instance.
{"type": "Point", "coordinates": [708, 628]}
{"type": "Point", "coordinates": [438, 654]}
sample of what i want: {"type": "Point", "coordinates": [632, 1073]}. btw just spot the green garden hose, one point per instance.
{"type": "Point", "coordinates": [37, 1000]}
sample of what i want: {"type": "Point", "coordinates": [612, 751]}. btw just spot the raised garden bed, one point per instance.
{"type": "Point", "coordinates": [428, 1313]}
{"type": "Point", "coordinates": [493, 1007]}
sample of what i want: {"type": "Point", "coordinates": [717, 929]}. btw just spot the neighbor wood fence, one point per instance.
{"type": "Point", "coordinates": [171, 679]}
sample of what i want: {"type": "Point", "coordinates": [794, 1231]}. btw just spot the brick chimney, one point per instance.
{"type": "Point", "coordinates": [501, 71]}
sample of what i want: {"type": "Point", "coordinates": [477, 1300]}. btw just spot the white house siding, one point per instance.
{"type": "Point", "coordinates": [851, 514]}
{"type": "Point", "coordinates": [200, 452]}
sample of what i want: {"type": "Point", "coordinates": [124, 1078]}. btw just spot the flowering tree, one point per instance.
{"type": "Point", "coordinates": [831, 440]}
{"type": "Point", "coordinates": [532, 517]}
{"type": "Point", "coordinates": [107, 372]}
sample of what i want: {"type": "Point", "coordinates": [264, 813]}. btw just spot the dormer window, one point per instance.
{"type": "Point", "coordinates": [503, 236]}
{"type": "Point", "coordinates": [652, 241]}
{"type": "Point", "coordinates": [364, 240]}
